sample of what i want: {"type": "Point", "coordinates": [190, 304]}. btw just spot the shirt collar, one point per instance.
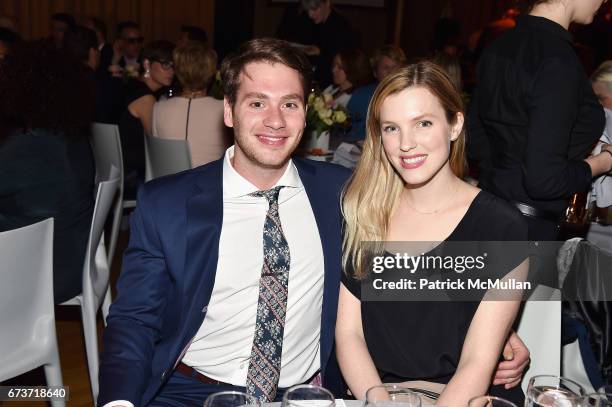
{"type": "Point", "coordinates": [541, 23]}
{"type": "Point", "coordinates": [235, 185]}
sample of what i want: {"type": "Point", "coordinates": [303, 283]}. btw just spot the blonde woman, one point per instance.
{"type": "Point", "coordinates": [408, 188]}
{"type": "Point", "coordinates": [193, 115]}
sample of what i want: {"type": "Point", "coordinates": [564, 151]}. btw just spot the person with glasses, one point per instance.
{"type": "Point", "coordinates": [140, 96]}
{"type": "Point", "coordinates": [127, 50]}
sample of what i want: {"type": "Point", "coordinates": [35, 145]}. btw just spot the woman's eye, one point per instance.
{"type": "Point", "coordinates": [389, 129]}
{"type": "Point", "coordinates": [424, 123]}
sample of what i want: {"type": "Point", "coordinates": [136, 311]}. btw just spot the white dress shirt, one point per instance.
{"type": "Point", "coordinates": [222, 347]}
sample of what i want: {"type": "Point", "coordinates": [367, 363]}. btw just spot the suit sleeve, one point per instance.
{"type": "Point", "coordinates": [135, 318]}
{"type": "Point", "coordinates": [553, 109]}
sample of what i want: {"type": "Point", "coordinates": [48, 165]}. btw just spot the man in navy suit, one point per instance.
{"type": "Point", "coordinates": [189, 320]}
{"type": "Point", "coordinates": [183, 323]}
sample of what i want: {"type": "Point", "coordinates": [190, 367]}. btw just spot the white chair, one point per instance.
{"type": "Point", "coordinates": [106, 146]}
{"type": "Point", "coordinates": [165, 157]}
{"type": "Point", "coordinates": [27, 317]}
{"type": "Point", "coordinates": [96, 276]}
{"type": "Point", "coordinates": [540, 328]}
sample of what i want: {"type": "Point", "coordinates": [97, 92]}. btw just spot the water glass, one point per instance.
{"type": "Point", "coordinates": [392, 395]}
{"type": "Point", "coordinates": [231, 399]}
{"type": "Point", "coordinates": [490, 401]}
{"type": "Point", "coordinates": [553, 391]}
{"type": "Point", "coordinates": [308, 395]}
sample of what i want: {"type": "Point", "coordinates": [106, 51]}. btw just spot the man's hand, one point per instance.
{"type": "Point", "coordinates": [516, 358]}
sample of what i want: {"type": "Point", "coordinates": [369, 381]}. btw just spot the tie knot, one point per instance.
{"type": "Point", "coordinates": [270, 194]}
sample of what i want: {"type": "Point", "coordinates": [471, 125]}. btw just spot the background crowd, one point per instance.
{"type": "Point", "coordinates": [52, 89]}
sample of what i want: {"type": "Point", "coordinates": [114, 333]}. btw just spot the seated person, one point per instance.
{"type": "Point", "coordinates": [384, 62]}
{"type": "Point", "coordinates": [192, 115]}
{"type": "Point", "coordinates": [46, 164]}
{"type": "Point", "coordinates": [137, 116]}
{"type": "Point", "coordinates": [350, 69]}
{"type": "Point", "coordinates": [414, 147]}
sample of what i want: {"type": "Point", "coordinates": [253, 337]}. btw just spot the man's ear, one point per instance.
{"type": "Point", "coordinates": [228, 115]}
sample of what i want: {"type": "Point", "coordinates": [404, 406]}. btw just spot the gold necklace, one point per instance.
{"type": "Point", "coordinates": [451, 196]}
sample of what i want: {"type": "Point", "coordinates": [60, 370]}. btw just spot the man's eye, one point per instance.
{"type": "Point", "coordinates": [291, 105]}
{"type": "Point", "coordinates": [256, 104]}
{"type": "Point", "coordinates": [424, 123]}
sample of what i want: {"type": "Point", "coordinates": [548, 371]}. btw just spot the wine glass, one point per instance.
{"type": "Point", "coordinates": [490, 401]}
{"type": "Point", "coordinates": [392, 395]}
{"type": "Point", "coordinates": [307, 395]}
{"type": "Point", "coordinates": [553, 391]}
{"type": "Point", "coordinates": [231, 399]}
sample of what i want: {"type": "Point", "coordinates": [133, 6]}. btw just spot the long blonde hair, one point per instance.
{"type": "Point", "coordinates": [374, 188]}
{"type": "Point", "coordinates": [603, 74]}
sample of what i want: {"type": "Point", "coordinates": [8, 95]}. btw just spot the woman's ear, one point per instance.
{"type": "Point", "coordinates": [457, 126]}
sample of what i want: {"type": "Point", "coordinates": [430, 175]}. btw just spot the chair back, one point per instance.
{"type": "Point", "coordinates": [26, 294]}
{"type": "Point", "coordinates": [540, 329]}
{"type": "Point", "coordinates": [95, 269]}
{"type": "Point", "coordinates": [165, 157]}
{"type": "Point", "coordinates": [106, 146]}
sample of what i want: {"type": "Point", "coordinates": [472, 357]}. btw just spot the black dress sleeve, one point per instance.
{"type": "Point", "coordinates": [351, 284]}
{"type": "Point", "coordinates": [553, 109]}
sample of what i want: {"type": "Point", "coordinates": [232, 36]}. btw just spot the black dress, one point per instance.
{"type": "Point", "coordinates": [423, 340]}
{"type": "Point", "coordinates": [131, 133]}
{"type": "Point", "coordinates": [532, 120]}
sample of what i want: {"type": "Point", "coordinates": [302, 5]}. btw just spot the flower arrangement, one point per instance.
{"type": "Point", "coordinates": [322, 115]}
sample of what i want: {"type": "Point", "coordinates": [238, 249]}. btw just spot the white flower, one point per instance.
{"type": "Point", "coordinates": [339, 116]}
{"type": "Point", "coordinates": [318, 104]}
{"type": "Point", "coordinates": [311, 98]}
{"type": "Point", "coordinates": [328, 98]}
{"type": "Point", "coordinates": [328, 121]}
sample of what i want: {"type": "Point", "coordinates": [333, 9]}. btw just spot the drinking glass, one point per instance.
{"type": "Point", "coordinates": [307, 395]}
{"type": "Point", "coordinates": [490, 401]}
{"type": "Point", "coordinates": [392, 395]}
{"type": "Point", "coordinates": [231, 399]}
{"type": "Point", "coordinates": [553, 391]}
{"type": "Point", "coordinates": [600, 399]}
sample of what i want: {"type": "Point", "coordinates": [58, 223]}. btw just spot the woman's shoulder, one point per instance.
{"type": "Point", "coordinates": [496, 219]}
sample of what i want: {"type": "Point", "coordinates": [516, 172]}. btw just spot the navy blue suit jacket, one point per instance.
{"type": "Point", "coordinates": [169, 270]}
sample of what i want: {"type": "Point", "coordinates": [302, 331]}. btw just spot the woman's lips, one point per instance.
{"type": "Point", "coordinates": [411, 162]}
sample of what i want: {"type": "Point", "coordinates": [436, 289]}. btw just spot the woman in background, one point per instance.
{"type": "Point", "coordinates": [137, 117]}
{"type": "Point", "coordinates": [534, 117]}
{"type": "Point", "coordinates": [408, 187]}
{"type": "Point", "coordinates": [46, 163]}
{"type": "Point", "coordinates": [193, 115]}
{"type": "Point", "coordinates": [385, 61]}
{"type": "Point", "coordinates": [350, 70]}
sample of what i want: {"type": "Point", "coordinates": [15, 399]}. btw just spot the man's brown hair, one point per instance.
{"type": "Point", "coordinates": [268, 50]}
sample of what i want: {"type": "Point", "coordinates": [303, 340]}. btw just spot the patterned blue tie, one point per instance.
{"type": "Point", "coordinates": [265, 363]}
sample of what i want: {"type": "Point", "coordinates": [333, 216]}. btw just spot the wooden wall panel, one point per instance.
{"type": "Point", "coordinates": [159, 19]}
